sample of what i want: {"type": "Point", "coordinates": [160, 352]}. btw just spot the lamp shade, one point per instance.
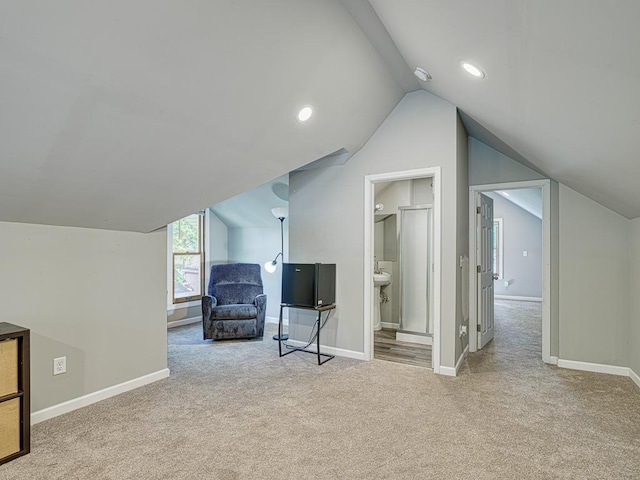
{"type": "Point", "coordinates": [280, 212]}
{"type": "Point", "coordinates": [270, 267]}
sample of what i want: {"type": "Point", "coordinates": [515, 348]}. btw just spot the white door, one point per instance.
{"type": "Point", "coordinates": [484, 260]}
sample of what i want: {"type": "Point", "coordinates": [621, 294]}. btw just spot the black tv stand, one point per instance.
{"type": "Point", "coordinates": [324, 308]}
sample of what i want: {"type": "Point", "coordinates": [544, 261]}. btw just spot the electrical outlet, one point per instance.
{"type": "Point", "coordinates": [59, 365]}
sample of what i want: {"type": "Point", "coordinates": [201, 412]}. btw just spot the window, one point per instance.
{"type": "Point", "coordinates": [188, 258]}
{"type": "Point", "coordinates": [498, 256]}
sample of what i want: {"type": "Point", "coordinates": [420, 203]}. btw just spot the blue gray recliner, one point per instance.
{"type": "Point", "coordinates": [235, 306]}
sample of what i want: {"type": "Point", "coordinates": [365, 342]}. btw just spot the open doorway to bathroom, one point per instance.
{"type": "Point", "coordinates": [404, 320]}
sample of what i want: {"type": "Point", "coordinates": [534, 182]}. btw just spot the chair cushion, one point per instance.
{"type": "Point", "coordinates": [234, 312]}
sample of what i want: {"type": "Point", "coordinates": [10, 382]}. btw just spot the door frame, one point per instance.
{"type": "Point", "coordinates": [545, 184]}
{"type": "Point", "coordinates": [369, 196]}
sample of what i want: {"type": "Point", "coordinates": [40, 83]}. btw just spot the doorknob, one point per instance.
{"type": "Point", "coordinates": [495, 277]}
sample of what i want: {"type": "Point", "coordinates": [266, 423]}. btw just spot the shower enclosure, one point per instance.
{"type": "Point", "coordinates": [416, 316]}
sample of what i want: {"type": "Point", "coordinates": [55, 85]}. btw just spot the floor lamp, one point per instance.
{"type": "Point", "coordinates": [280, 213]}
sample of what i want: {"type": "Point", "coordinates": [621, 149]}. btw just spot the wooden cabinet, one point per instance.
{"type": "Point", "coordinates": [15, 405]}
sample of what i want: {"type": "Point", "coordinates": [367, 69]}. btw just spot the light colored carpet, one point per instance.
{"type": "Point", "coordinates": [234, 410]}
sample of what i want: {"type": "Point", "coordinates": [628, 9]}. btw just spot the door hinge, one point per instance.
{"type": "Point", "coordinates": [479, 268]}
{"type": "Point", "coordinates": [479, 327]}
{"type": "Point", "coordinates": [478, 210]}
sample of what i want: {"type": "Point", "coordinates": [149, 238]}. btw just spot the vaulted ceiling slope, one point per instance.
{"type": "Point", "coordinates": [129, 115]}
{"type": "Point", "coordinates": [561, 86]}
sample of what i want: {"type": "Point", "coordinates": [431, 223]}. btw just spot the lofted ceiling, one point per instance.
{"type": "Point", "coordinates": [561, 86]}
{"type": "Point", "coordinates": [129, 115]}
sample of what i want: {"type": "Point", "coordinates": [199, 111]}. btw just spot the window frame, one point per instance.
{"type": "Point", "coordinates": [200, 252]}
{"type": "Point", "coordinates": [498, 249]}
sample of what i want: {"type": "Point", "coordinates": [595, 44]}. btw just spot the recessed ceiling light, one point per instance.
{"type": "Point", "coordinates": [305, 113]}
{"type": "Point", "coordinates": [422, 74]}
{"type": "Point", "coordinates": [472, 69]}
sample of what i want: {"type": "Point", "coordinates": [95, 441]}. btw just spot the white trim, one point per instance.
{"type": "Point", "coordinates": [389, 325]}
{"type": "Point", "coordinates": [453, 371]}
{"type": "Point", "coordinates": [412, 338]}
{"type": "Point", "coordinates": [545, 184]}
{"type": "Point", "coordinates": [340, 352]}
{"type": "Point", "coordinates": [184, 321]}
{"type": "Point", "coordinates": [369, 181]}
{"type": "Point", "coordinates": [275, 320]}
{"type": "Point", "coordinates": [517, 297]}
{"type": "Point", "coordinates": [553, 360]}
{"type": "Point", "coordinates": [181, 306]}
{"type": "Point", "coordinates": [594, 367]}
{"type": "Point", "coordinates": [635, 378]}
{"type": "Point", "coordinates": [85, 400]}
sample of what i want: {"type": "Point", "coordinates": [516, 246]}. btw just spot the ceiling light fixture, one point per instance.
{"type": "Point", "coordinates": [472, 69]}
{"type": "Point", "coordinates": [504, 194]}
{"type": "Point", "coordinates": [304, 114]}
{"type": "Point", "coordinates": [422, 74]}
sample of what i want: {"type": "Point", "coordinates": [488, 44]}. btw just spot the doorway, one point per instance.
{"type": "Point", "coordinates": [504, 283]}
{"type": "Point", "coordinates": [370, 301]}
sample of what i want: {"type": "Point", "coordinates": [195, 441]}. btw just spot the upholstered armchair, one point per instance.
{"type": "Point", "coordinates": [235, 306]}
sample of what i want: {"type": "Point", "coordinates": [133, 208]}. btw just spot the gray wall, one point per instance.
{"type": "Point", "coordinates": [327, 214]}
{"type": "Point", "coordinates": [521, 231]}
{"type": "Point", "coordinates": [99, 298]}
{"type": "Point", "coordinates": [487, 165]}
{"type": "Point", "coordinates": [259, 245]}
{"type": "Point", "coordinates": [634, 318]}
{"type": "Point", "coordinates": [462, 225]}
{"type": "Point", "coordinates": [594, 281]}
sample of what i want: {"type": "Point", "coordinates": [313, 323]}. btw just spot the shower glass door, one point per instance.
{"type": "Point", "coordinates": [415, 258]}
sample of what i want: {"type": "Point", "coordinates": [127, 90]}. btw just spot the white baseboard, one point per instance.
{"type": "Point", "coordinates": [408, 337]}
{"type": "Point", "coordinates": [340, 352]}
{"type": "Point", "coordinates": [447, 371]}
{"type": "Point", "coordinates": [594, 367]}
{"type": "Point", "coordinates": [553, 360]}
{"type": "Point", "coordinates": [389, 325]}
{"type": "Point", "coordinates": [184, 321]}
{"type": "Point", "coordinates": [634, 377]}
{"type": "Point", "coordinates": [85, 400]}
{"type": "Point", "coordinates": [516, 297]}
{"type": "Point", "coordinates": [453, 371]}
{"type": "Point", "coordinates": [275, 320]}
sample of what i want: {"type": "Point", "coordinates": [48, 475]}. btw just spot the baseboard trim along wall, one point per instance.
{"type": "Point", "coordinates": [389, 325]}
{"type": "Point", "coordinates": [329, 350]}
{"type": "Point", "coordinates": [453, 371]}
{"type": "Point", "coordinates": [85, 400]}
{"type": "Point", "coordinates": [276, 320]}
{"type": "Point", "coordinates": [634, 377]}
{"type": "Point", "coordinates": [184, 321]}
{"type": "Point", "coordinates": [594, 367]}
{"type": "Point", "coordinates": [515, 297]}
{"type": "Point", "coordinates": [553, 360]}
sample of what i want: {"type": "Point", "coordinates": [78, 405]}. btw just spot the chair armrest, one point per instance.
{"type": "Point", "coordinates": [261, 304]}
{"type": "Point", "coordinates": [208, 302]}
{"type": "Point", "coordinates": [260, 300]}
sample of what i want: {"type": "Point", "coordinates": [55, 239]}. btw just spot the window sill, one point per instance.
{"type": "Point", "coordinates": [183, 305]}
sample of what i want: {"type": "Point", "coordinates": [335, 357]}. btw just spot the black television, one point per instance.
{"type": "Point", "coordinates": [310, 285]}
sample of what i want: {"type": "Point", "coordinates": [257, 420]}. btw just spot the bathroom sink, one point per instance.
{"type": "Point", "coordinates": [381, 279]}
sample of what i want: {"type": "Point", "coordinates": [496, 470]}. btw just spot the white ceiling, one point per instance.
{"type": "Point", "coordinates": [252, 209]}
{"type": "Point", "coordinates": [561, 86]}
{"type": "Point", "coordinates": [129, 115]}
{"type": "Point", "coordinates": [528, 199]}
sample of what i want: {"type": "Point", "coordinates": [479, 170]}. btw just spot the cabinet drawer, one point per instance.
{"type": "Point", "coordinates": [8, 367]}
{"type": "Point", "coordinates": [10, 427]}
